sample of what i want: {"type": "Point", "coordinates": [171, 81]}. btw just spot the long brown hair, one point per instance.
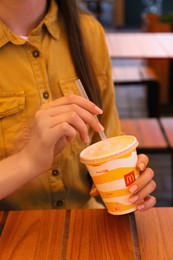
{"type": "Point", "coordinates": [70, 13]}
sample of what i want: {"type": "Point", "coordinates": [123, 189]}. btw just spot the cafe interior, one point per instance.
{"type": "Point", "coordinates": [139, 35]}
{"type": "Point", "coordinates": [140, 44]}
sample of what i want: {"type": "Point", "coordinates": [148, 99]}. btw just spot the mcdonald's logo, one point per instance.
{"type": "Point", "coordinates": [129, 178]}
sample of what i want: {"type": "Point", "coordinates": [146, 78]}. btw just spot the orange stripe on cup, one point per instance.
{"type": "Point", "coordinates": [113, 175]}
{"type": "Point", "coordinates": [116, 207]}
{"type": "Point", "coordinates": [114, 193]}
{"type": "Point", "coordinates": [127, 154]}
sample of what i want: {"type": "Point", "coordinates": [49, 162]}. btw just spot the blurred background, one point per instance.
{"type": "Point", "coordinates": [124, 16]}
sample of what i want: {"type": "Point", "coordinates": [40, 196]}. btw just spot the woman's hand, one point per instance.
{"type": "Point", "coordinates": [55, 125]}
{"type": "Point", "coordinates": [143, 186]}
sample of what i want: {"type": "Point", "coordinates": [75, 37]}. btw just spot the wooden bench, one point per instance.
{"type": "Point", "coordinates": [167, 128]}
{"type": "Point", "coordinates": [133, 75]}
{"type": "Point", "coordinates": [148, 133]}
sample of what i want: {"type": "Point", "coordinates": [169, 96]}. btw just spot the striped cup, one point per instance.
{"type": "Point", "coordinates": [112, 166]}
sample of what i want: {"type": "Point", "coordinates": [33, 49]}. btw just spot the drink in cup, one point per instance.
{"type": "Point", "coordinates": [112, 166]}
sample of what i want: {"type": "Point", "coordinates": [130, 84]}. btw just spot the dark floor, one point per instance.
{"type": "Point", "coordinates": [131, 103]}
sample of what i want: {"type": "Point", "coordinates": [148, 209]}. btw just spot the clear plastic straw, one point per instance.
{"type": "Point", "coordinates": [84, 94]}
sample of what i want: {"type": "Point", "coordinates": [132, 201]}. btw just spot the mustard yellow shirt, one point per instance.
{"type": "Point", "coordinates": [36, 71]}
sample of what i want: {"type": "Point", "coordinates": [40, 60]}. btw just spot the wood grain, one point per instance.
{"type": "Point", "coordinates": [95, 234]}
{"type": "Point", "coordinates": [1, 222]}
{"type": "Point", "coordinates": [140, 45]}
{"type": "Point", "coordinates": [147, 131]}
{"type": "Point", "coordinates": [167, 124]}
{"type": "Point", "coordinates": [1, 214]}
{"type": "Point", "coordinates": [32, 235]}
{"type": "Point", "coordinates": [155, 233]}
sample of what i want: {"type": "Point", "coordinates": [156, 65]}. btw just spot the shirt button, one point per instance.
{"type": "Point", "coordinates": [54, 172]}
{"type": "Point", "coordinates": [35, 54]}
{"type": "Point", "coordinates": [59, 203]}
{"type": "Point", "coordinates": [46, 95]}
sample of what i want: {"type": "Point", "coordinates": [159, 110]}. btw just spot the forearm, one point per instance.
{"type": "Point", "coordinates": [15, 171]}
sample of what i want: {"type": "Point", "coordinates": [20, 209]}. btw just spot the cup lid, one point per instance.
{"type": "Point", "coordinates": [108, 149]}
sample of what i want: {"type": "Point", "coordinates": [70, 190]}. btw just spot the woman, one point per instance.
{"type": "Point", "coordinates": [44, 47]}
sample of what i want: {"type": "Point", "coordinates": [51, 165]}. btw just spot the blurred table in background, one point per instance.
{"type": "Point", "coordinates": [140, 45]}
{"type": "Point", "coordinates": [154, 48]}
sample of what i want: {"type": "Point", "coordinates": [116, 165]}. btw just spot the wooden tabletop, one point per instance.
{"type": "Point", "coordinates": [60, 234]}
{"type": "Point", "coordinates": [140, 45]}
{"type": "Point", "coordinates": [87, 234]}
{"type": "Point", "coordinates": [155, 233]}
{"type": "Point", "coordinates": [32, 235]}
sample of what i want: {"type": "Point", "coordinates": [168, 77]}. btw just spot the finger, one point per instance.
{"type": "Point", "coordinates": [149, 188]}
{"type": "Point", "coordinates": [142, 181]}
{"type": "Point", "coordinates": [63, 130]}
{"type": "Point", "coordinates": [62, 142]}
{"type": "Point", "coordinates": [59, 115]}
{"type": "Point", "coordinates": [46, 123]}
{"type": "Point", "coordinates": [148, 203]}
{"type": "Point", "coordinates": [76, 122]}
{"type": "Point", "coordinates": [74, 99]}
{"type": "Point", "coordinates": [79, 123]}
{"type": "Point", "coordinates": [54, 111]}
{"type": "Point", "coordinates": [94, 192]}
{"type": "Point", "coordinates": [142, 162]}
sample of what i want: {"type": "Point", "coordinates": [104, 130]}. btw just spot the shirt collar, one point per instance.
{"type": "Point", "coordinates": [50, 21]}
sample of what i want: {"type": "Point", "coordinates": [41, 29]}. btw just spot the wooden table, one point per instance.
{"type": "Point", "coordinates": [155, 233]}
{"type": "Point", "coordinates": [140, 45]}
{"type": "Point", "coordinates": [155, 48]}
{"type": "Point", "coordinates": [60, 234]}
{"type": "Point", "coordinates": [87, 234]}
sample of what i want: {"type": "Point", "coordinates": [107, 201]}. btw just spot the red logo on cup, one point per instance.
{"type": "Point", "coordinates": [102, 171]}
{"type": "Point", "coordinates": [129, 178]}
{"type": "Point", "coordinates": [117, 206]}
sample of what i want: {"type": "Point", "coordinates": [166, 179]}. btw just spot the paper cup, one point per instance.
{"type": "Point", "coordinates": [112, 166]}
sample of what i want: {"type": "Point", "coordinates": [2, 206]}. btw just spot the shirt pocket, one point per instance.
{"type": "Point", "coordinates": [68, 86]}
{"type": "Point", "coordinates": [13, 123]}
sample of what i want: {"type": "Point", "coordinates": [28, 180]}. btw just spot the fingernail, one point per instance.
{"type": "Point", "coordinates": [133, 199]}
{"type": "Point", "coordinates": [140, 207]}
{"type": "Point", "coordinates": [93, 192]}
{"type": "Point", "coordinates": [86, 140]}
{"type": "Point", "coordinates": [101, 128]}
{"type": "Point", "coordinates": [133, 188]}
{"type": "Point", "coordinates": [99, 110]}
{"type": "Point", "coordinates": [141, 166]}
